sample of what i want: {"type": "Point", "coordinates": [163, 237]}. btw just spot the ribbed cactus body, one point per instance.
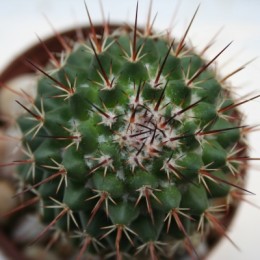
{"type": "Point", "coordinates": [131, 143]}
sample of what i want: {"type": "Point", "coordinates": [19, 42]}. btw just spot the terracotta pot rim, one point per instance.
{"type": "Point", "coordinates": [35, 52]}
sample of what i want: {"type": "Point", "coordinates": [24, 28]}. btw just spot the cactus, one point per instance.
{"type": "Point", "coordinates": [132, 147]}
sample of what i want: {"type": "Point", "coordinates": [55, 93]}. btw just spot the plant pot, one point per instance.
{"type": "Point", "coordinates": [18, 68]}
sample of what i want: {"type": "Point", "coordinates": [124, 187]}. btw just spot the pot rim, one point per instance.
{"type": "Point", "coordinates": [18, 66]}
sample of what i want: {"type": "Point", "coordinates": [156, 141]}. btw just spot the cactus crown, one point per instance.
{"type": "Point", "coordinates": [130, 144]}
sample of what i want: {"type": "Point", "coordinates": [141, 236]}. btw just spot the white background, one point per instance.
{"type": "Point", "coordinates": [20, 20]}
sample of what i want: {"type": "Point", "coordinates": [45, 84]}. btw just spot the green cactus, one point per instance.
{"type": "Point", "coordinates": [130, 145]}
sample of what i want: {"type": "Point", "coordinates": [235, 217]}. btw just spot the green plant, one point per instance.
{"type": "Point", "coordinates": [131, 144]}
